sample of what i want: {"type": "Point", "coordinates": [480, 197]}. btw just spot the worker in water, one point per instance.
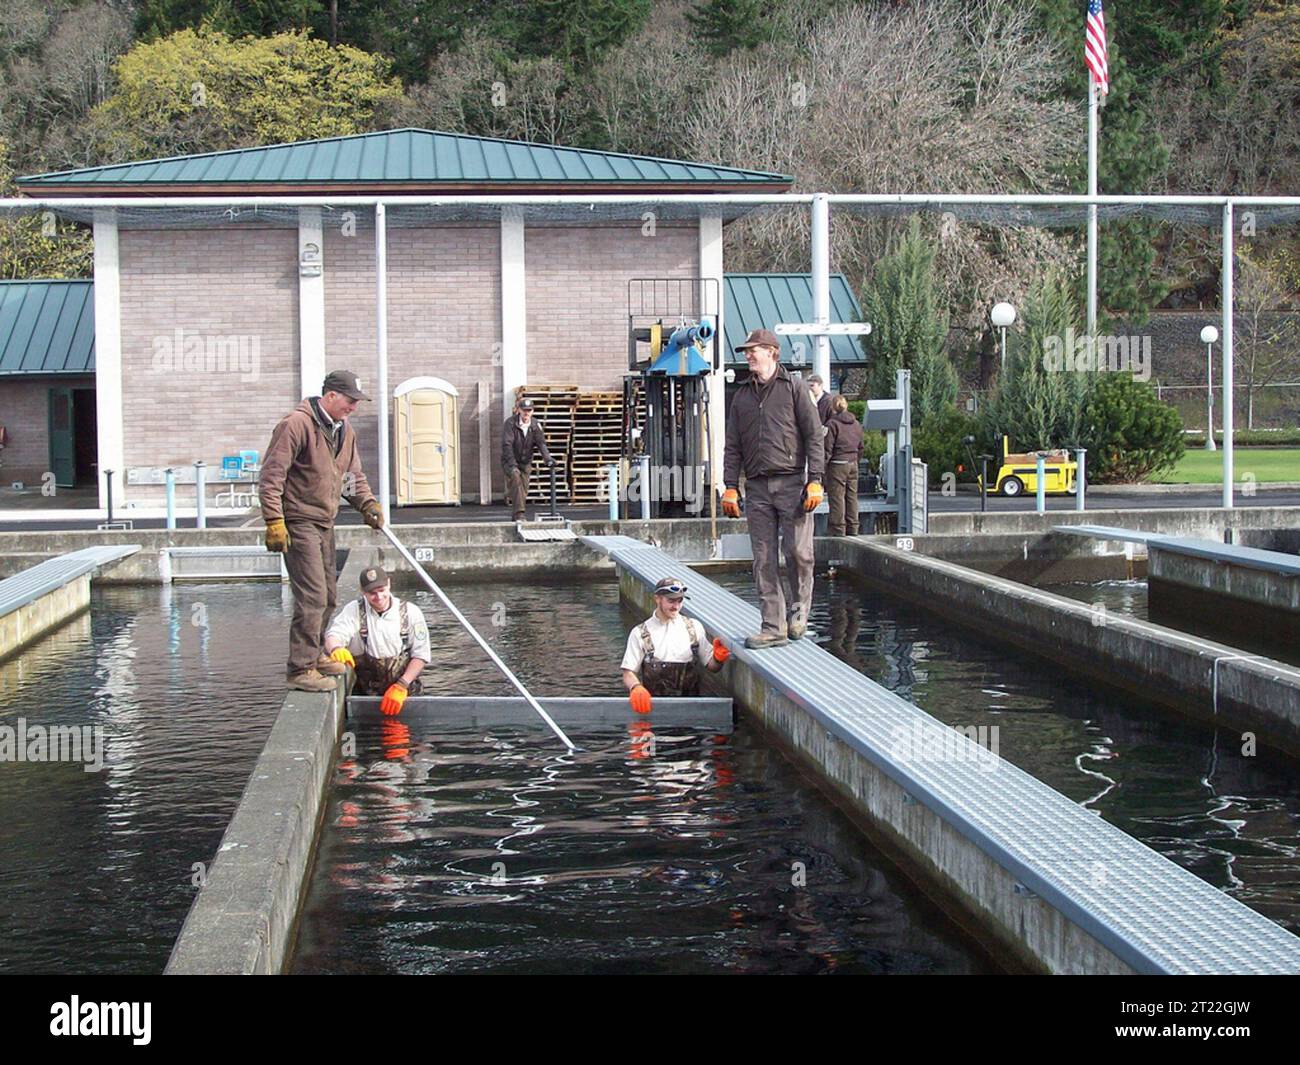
{"type": "Point", "coordinates": [311, 461]}
{"type": "Point", "coordinates": [384, 638]}
{"type": "Point", "coordinates": [843, 453]}
{"type": "Point", "coordinates": [521, 436]}
{"type": "Point", "coordinates": [821, 397]}
{"type": "Point", "coordinates": [665, 652]}
{"type": "Point", "coordinates": [775, 438]}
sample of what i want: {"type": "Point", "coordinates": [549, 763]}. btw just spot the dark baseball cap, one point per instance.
{"type": "Point", "coordinates": [760, 337]}
{"type": "Point", "coordinates": [345, 382]}
{"type": "Point", "coordinates": [373, 578]}
{"type": "Point", "coordinates": [525, 404]}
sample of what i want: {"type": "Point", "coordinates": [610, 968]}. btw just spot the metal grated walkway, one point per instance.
{"type": "Point", "coordinates": [45, 577]}
{"type": "Point", "coordinates": [1151, 913]}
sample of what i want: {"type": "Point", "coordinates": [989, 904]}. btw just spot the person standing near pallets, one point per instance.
{"type": "Point", "coordinates": [521, 436]}
{"type": "Point", "coordinates": [311, 462]}
{"type": "Point", "coordinates": [774, 437]}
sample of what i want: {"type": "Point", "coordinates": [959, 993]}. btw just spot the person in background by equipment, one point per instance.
{"type": "Point", "coordinates": [385, 639]}
{"type": "Point", "coordinates": [520, 437]}
{"type": "Point", "coordinates": [311, 461]}
{"type": "Point", "coordinates": [843, 453]}
{"type": "Point", "coordinates": [821, 397]}
{"type": "Point", "coordinates": [664, 653]}
{"type": "Point", "coordinates": [774, 437]}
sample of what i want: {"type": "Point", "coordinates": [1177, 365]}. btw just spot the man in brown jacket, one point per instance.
{"type": "Point", "coordinates": [775, 437]}
{"type": "Point", "coordinates": [520, 437]}
{"type": "Point", "coordinates": [311, 461]}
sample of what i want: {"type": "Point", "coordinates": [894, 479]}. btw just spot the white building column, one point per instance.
{"type": "Point", "coordinates": [311, 301]}
{"type": "Point", "coordinates": [711, 267]}
{"type": "Point", "coordinates": [514, 305]}
{"type": "Point", "coordinates": [111, 428]}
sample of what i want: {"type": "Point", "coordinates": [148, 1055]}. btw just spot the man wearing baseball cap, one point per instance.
{"type": "Point", "coordinates": [520, 437]}
{"type": "Point", "coordinates": [311, 461]}
{"type": "Point", "coordinates": [385, 639]}
{"type": "Point", "coordinates": [664, 653]}
{"type": "Point", "coordinates": [774, 437]}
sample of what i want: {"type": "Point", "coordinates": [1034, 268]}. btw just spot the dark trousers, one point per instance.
{"type": "Point", "coordinates": [842, 495]}
{"type": "Point", "coordinates": [774, 508]}
{"type": "Point", "coordinates": [313, 579]}
{"type": "Point", "coordinates": [517, 489]}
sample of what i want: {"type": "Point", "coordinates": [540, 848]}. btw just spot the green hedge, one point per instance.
{"type": "Point", "coordinates": [1250, 437]}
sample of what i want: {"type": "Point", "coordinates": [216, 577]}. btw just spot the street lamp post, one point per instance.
{"type": "Point", "coordinates": [1208, 337]}
{"type": "Point", "coordinates": [1003, 315]}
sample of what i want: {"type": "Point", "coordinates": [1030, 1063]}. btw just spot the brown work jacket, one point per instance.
{"type": "Point", "coordinates": [517, 448]}
{"type": "Point", "coordinates": [305, 470]}
{"type": "Point", "coordinates": [773, 429]}
{"type": "Point", "coordinates": [843, 438]}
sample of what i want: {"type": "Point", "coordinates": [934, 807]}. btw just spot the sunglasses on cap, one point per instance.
{"type": "Point", "coordinates": [676, 588]}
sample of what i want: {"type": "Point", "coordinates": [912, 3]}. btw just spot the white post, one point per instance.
{"type": "Point", "coordinates": [381, 332]}
{"type": "Point", "coordinates": [821, 282]}
{"type": "Point", "coordinates": [514, 306]}
{"type": "Point", "coordinates": [1092, 207]}
{"type": "Point", "coordinates": [485, 442]}
{"type": "Point", "coordinates": [111, 430]}
{"type": "Point", "coordinates": [1227, 354]}
{"type": "Point", "coordinates": [311, 302]}
{"type": "Point", "coordinates": [1209, 397]}
{"type": "Point", "coordinates": [711, 267]}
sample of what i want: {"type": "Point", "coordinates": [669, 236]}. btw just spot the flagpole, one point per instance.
{"type": "Point", "coordinates": [1092, 208]}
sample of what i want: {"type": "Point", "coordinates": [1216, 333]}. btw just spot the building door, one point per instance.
{"type": "Point", "coordinates": [426, 442]}
{"type": "Point", "coordinates": [86, 430]}
{"type": "Point", "coordinates": [63, 442]}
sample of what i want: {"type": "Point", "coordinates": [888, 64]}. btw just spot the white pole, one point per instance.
{"type": "Point", "coordinates": [1209, 398]}
{"type": "Point", "coordinates": [1092, 207]}
{"type": "Point", "coordinates": [381, 332]}
{"type": "Point", "coordinates": [821, 282]}
{"type": "Point", "coordinates": [496, 659]}
{"type": "Point", "coordinates": [1227, 354]}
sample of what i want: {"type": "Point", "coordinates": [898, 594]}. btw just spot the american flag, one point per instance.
{"type": "Point", "coordinates": [1094, 45]}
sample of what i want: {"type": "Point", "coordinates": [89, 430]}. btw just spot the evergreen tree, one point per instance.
{"type": "Point", "coordinates": [1038, 401]}
{"type": "Point", "coordinates": [726, 25]}
{"type": "Point", "coordinates": [909, 327]}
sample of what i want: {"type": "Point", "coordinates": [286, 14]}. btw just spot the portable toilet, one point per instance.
{"type": "Point", "coordinates": [426, 441]}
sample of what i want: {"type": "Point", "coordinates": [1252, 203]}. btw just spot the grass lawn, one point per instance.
{"type": "Point", "coordinates": [1199, 466]}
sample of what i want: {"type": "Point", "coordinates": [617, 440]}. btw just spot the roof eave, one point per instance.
{"type": "Point", "coordinates": [68, 190]}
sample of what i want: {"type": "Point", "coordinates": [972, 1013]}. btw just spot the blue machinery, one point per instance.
{"type": "Point", "coordinates": [672, 323]}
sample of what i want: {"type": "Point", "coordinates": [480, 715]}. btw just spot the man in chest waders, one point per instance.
{"type": "Point", "coordinates": [385, 639]}
{"type": "Point", "coordinates": [665, 652]}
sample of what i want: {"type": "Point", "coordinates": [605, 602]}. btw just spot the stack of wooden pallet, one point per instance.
{"type": "Point", "coordinates": [553, 407]}
{"type": "Point", "coordinates": [597, 443]}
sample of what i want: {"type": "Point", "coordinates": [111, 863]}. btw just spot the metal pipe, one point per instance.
{"type": "Point", "coordinates": [381, 332]}
{"type": "Point", "coordinates": [200, 490]}
{"type": "Point", "coordinates": [108, 475]}
{"type": "Point", "coordinates": [171, 498]}
{"type": "Point", "coordinates": [645, 487]}
{"type": "Point", "coordinates": [611, 474]}
{"type": "Point", "coordinates": [1227, 355]}
{"type": "Point", "coordinates": [821, 281]}
{"type": "Point", "coordinates": [1042, 484]}
{"type": "Point", "coordinates": [506, 671]}
{"type": "Point", "coordinates": [1080, 477]}
{"type": "Point", "coordinates": [1209, 398]}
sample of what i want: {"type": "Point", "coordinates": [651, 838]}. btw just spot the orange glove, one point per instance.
{"type": "Point", "coordinates": [342, 654]}
{"type": "Point", "coordinates": [731, 503]}
{"type": "Point", "coordinates": [640, 699]}
{"type": "Point", "coordinates": [277, 536]}
{"type": "Point", "coordinates": [813, 495]}
{"type": "Point", "coordinates": [720, 652]}
{"type": "Point", "coordinates": [394, 698]}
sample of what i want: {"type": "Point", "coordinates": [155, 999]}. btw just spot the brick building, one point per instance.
{"type": "Point", "coordinates": [213, 315]}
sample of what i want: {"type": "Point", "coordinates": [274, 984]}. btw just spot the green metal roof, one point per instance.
{"type": "Point", "coordinates": [47, 327]}
{"type": "Point", "coordinates": [405, 160]}
{"type": "Point", "coordinates": [760, 301]}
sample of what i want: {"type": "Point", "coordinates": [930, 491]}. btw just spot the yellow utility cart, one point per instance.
{"type": "Point", "coordinates": [1018, 473]}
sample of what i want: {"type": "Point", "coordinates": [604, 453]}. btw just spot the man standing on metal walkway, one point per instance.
{"type": "Point", "coordinates": [311, 461]}
{"type": "Point", "coordinates": [775, 438]}
{"type": "Point", "coordinates": [520, 437]}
